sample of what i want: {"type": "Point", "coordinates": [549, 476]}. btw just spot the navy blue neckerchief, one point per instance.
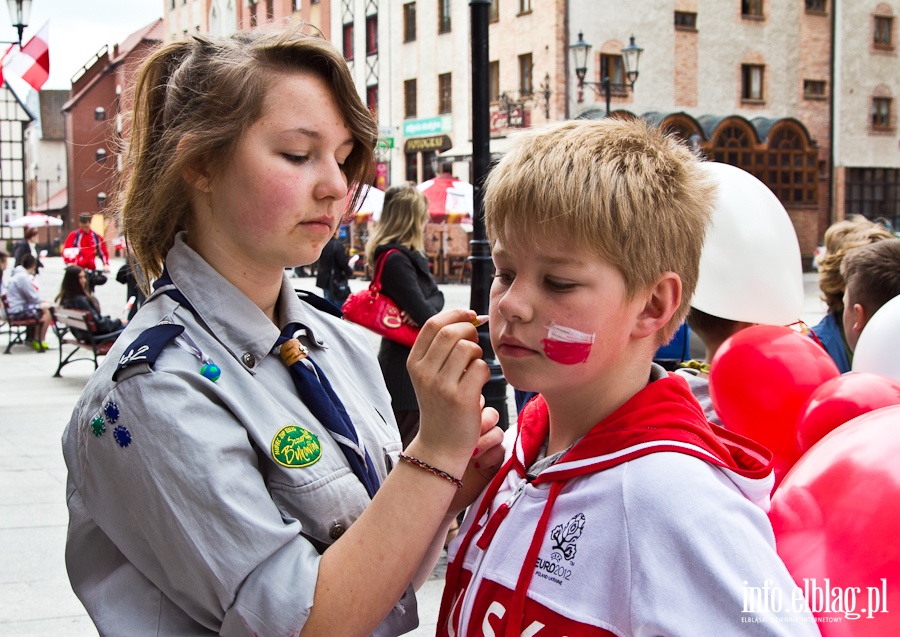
{"type": "Point", "coordinates": [316, 393]}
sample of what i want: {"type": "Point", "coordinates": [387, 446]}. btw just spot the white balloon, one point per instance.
{"type": "Point", "coordinates": [878, 348]}
{"type": "Point", "coordinates": [750, 267]}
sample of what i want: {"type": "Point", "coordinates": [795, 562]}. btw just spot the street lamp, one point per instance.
{"type": "Point", "coordinates": [19, 11]}
{"type": "Point", "coordinates": [482, 265]}
{"type": "Point", "coordinates": [631, 56]}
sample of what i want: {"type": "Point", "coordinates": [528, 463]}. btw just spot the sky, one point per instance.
{"type": "Point", "coordinates": [78, 29]}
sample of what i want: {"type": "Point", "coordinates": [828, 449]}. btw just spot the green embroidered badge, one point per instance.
{"type": "Point", "coordinates": [98, 427]}
{"type": "Point", "coordinates": [296, 447]}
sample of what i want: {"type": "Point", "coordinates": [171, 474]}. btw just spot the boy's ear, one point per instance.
{"type": "Point", "coordinates": [860, 318]}
{"type": "Point", "coordinates": [662, 301]}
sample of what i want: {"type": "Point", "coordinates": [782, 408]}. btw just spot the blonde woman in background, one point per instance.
{"type": "Point", "coordinates": [407, 280]}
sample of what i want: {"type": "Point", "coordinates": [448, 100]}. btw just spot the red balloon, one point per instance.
{"type": "Point", "coordinates": [840, 400]}
{"type": "Point", "coordinates": [836, 516]}
{"type": "Point", "coordinates": [759, 380]}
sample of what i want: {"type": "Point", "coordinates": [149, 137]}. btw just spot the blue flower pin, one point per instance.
{"type": "Point", "coordinates": [122, 436]}
{"type": "Point", "coordinates": [111, 410]}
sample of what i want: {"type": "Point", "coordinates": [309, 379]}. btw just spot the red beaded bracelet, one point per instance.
{"type": "Point", "coordinates": [434, 470]}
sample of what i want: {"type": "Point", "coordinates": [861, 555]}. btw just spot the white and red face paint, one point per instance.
{"type": "Point", "coordinates": [566, 345]}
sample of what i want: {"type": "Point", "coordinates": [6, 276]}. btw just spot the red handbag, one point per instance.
{"type": "Point", "coordinates": [377, 312]}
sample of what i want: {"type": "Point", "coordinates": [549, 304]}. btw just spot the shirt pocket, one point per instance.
{"type": "Point", "coordinates": [325, 506]}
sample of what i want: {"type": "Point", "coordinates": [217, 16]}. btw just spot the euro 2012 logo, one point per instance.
{"type": "Point", "coordinates": [564, 536]}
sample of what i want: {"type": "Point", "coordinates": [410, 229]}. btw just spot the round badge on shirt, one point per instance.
{"type": "Point", "coordinates": [295, 447]}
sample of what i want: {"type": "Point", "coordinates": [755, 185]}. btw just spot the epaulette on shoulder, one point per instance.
{"type": "Point", "coordinates": [146, 348]}
{"type": "Point", "coordinates": [319, 303]}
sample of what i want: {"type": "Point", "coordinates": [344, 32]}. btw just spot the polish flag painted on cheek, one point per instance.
{"type": "Point", "coordinates": [566, 345]}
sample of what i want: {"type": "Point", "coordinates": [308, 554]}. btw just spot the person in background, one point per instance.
{"type": "Point", "coordinates": [28, 245]}
{"type": "Point", "coordinates": [840, 238]}
{"type": "Point", "coordinates": [131, 276]}
{"type": "Point", "coordinates": [406, 279]}
{"type": "Point", "coordinates": [872, 278]}
{"type": "Point", "coordinates": [334, 271]}
{"type": "Point", "coordinates": [620, 509]}
{"type": "Point", "coordinates": [74, 295]}
{"type": "Point", "coordinates": [4, 261]}
{"type": "Point", "coordinates": [25, 302]}
{"type": "Point", "coordinates": [233, 465]}
{"type": "Point", "coordinates": [750, 271]}
{"type": "Point", "coordinates": [82, 248]}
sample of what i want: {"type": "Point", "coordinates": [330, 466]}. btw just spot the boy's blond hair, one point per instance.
{"type": "Point", "coordinates": [620, 189]}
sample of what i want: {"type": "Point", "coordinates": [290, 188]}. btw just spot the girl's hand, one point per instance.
{"type": "Point", "coordinates": [447, 373]}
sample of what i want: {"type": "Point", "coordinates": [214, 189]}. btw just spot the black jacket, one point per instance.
{"type": "Point", "coordinates": [407, 280]}
{"type": "Point", "coordinates": [333, 261]}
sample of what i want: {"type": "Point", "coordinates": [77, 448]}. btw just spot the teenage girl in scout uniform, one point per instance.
{"type": "Point", "coordinates": [234, 464]}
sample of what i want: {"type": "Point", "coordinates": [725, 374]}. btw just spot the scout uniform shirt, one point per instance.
{"type": "Point", "coordinates": [196, 505]}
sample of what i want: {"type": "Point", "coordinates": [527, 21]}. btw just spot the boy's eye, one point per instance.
{"type": "Point", "coordinates": [504, 277]}
{"type": "Point", "coordinates": [560, 286]}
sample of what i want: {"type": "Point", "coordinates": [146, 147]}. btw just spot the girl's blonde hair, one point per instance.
{"type": "Point", "coordinates": [194, 99]}
{"type": "Point", "coordinates": [840, 238]}
{"type": "Point", "coordinates": [402, 221]}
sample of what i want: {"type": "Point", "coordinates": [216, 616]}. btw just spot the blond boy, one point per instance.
{"type": "Point", "coordinates": [619, 511]}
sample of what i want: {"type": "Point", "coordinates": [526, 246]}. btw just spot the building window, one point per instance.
{"type": "Point", "coordinates": [874, 193]}
{"type": "Point", "coordinates": [792, 171]}
{"type": "Point", "coordinates": [524, 6]}
{"type": "Point", "coordinates": [881, 113]}
{"type": "Point", "coordinates": [171, 4]}
{"type": "Point", "coordinates": [494, 81]}
{"type": "Point", "coordinates": [372, 34]}
{"type": "Point", "coordinates": [372, 99]}
{"type": "Point", "coordinates": [295, 5]}
{"type": "Point", "coordinates": [814, 89]}
{"type": "Point", "coordinates": [752, 8]}
{"type": "Point", "coordinates": [253, 20]}
{"type": "Point", "coordinates": [883, 28]}
{"type": "Point", "coordinates": [525, 67]}
{"type": "Point", "coordinates": [348, 41]}
{"type": "Point", "coordinates": [613, 67]}
{"type": "Point", "coordinates": [445, 93]}
{"type": "Point", "coordinates": [752, 82]}
{"type": "Point", "coordinates": [409, 99]}
{"type": "Point", "coordinates": [409, 22]}
{"type": "Point", "coordinates": [685, 21]}
{"type": "Point", "coordinates": [443, 16]}
{"type": "Point", "coordinates": [270, 10]}
{"type": "Point", "coordinates": [817, 6]}
{"type": "Point", "coordinates": [100, 155]}
{"type": "Point", "coordinates": [99, 114]}
{"type": "Point", "coordinates": [494, 11]}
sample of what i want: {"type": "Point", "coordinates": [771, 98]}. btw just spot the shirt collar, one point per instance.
{"type": "Point", "coordinates": [234, 319]}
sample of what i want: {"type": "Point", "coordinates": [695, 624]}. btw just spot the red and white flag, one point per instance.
{"type": "Point", "coordinates": [3, 61]}
{"type": "Point", "coordinates": [32, 62]}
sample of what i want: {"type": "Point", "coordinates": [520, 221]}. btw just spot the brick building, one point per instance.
{"type": "Point", "coordinates": [223, 17]}
{"type": "Point", "coordinates": [866, 87]}
{"type": "Point", "coordinates": [94, 120]}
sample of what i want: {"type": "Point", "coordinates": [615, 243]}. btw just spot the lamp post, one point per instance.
{"type": "Point", "coordinates": [495, 389]}
{"type": "Point", "coordinates": [631, 56]}
{"type": "Point", "coordinates": [19, 11]}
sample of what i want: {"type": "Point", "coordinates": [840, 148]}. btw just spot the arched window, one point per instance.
{"type": "Point", "coordinates": [791, 170]}
{"type": "Point", "coordinates": [734, 142]}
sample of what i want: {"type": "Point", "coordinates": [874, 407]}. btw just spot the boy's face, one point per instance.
{"type": "Point", "coordinates": [560, 318]}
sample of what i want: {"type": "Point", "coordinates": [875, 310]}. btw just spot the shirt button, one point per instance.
{"type": "Point", "coordinates": [249, 359]}
{"type": "Point", "coordinates": [336, 531]}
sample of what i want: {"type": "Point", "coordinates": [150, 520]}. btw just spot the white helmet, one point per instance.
{"type": "Point", "coordinates": [750, 268]}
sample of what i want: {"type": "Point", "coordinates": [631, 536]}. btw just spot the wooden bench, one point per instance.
{"type": "Point", "coordinates": [97, 344]}
{"type": "Point", "coordinates": [17, 330]}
